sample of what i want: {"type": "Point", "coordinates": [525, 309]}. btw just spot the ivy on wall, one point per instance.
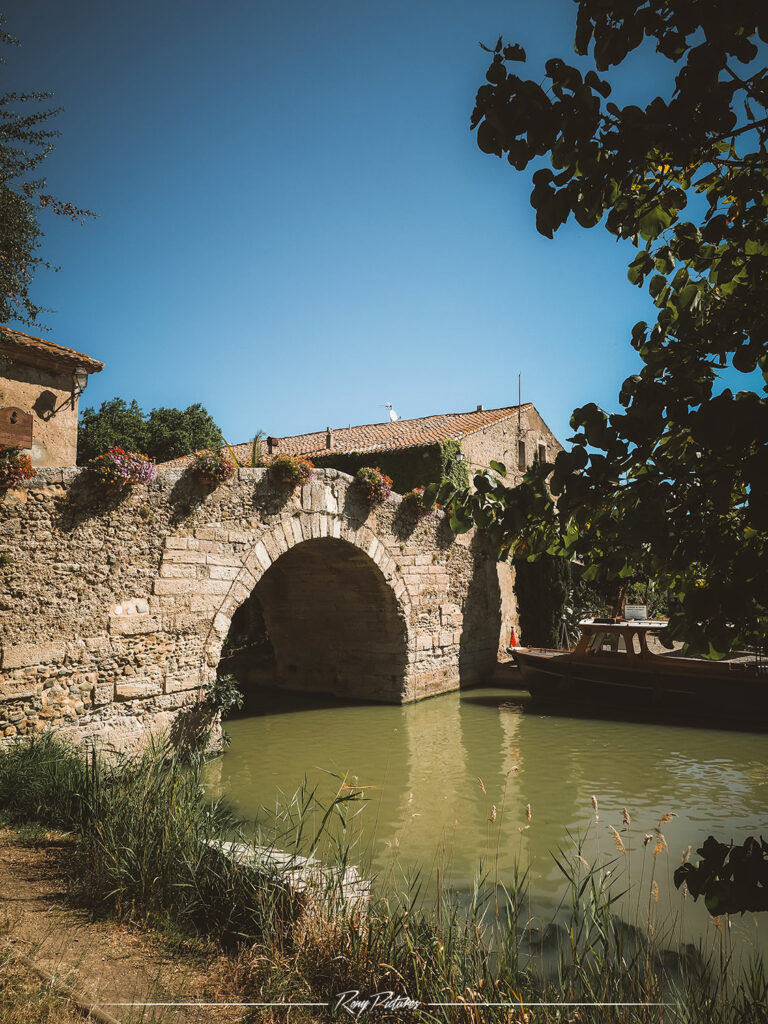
{"type": "Point", "coordinates": [451, 467]}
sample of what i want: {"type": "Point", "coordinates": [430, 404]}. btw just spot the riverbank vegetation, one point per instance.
{"type": "Point", "coordinates": [148, 848]}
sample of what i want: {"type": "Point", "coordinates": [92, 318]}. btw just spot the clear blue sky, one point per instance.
{"type": "Point", "coordinates": [295, 222]}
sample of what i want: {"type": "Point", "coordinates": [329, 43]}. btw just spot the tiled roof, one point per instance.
{"type": "Point", "coordinates": [381, 437]}
{"type": "Point", "coordinates": [28, 348]}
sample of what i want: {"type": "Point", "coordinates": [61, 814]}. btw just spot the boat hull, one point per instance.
{"type": "Point", "coordinates": [656, 685]}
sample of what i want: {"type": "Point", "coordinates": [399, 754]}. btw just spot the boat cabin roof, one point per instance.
{"type": "Point", "coordinates": [593, 625]}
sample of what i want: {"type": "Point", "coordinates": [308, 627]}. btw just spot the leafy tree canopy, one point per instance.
{"type": "Point", "coordinates": [163, 434]}
{"type": "Point", "coordinates": [25, 141]}
{"type": "Point", "coordinates": [675, 485]}
{"type": "Point", "coordinates": [176, 432]}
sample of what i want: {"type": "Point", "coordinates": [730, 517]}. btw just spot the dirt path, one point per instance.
{"type": "Point", "coordinates": [109, 962]}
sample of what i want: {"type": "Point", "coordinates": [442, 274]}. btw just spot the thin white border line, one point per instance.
{"type": "Point", "coordinates": [213, 1004]}
{"type": "Point", "coordinates": [524, 1004]}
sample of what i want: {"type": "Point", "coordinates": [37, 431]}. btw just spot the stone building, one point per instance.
{"type": "Point", "coordinates": [40, 385]}
{"type": "Point", "coordinates": [418, 451]}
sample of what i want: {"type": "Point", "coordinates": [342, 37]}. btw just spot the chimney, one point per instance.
{"type": "Point", "coordinates": [272, 442]}
{"type": "Point", "coordinates": [328, 438]}
{"type": "Point", "coordinates": [479, 408]}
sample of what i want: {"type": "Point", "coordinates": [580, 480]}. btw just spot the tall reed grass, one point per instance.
{"type": "Point", "coordinates": [149, 848]}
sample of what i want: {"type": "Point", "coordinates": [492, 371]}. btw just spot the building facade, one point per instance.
{"type": "Point", "coordinates": [40, 385]}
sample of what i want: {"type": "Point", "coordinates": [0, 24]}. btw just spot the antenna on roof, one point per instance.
{"type": "Point", "coordinates": [392, 414]}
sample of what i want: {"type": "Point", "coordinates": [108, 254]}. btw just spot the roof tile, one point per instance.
{"type": "Point", "coordinates": [27, 343]}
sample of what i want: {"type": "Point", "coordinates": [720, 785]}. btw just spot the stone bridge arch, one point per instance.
{"type": "Point", "coordinates": [343, 623]}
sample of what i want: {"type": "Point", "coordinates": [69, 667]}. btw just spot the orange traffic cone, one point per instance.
{"type": "Point", "coordinates": [513, 638]}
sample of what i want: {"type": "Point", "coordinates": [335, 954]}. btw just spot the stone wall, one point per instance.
{"type": "Point", "coordinates": [113, 614]}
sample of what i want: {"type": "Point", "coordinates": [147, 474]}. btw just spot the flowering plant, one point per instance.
{"type": "Point", "coordinates": [375, 485]}
{"type": "Point", "coordinates": [118, 469]}
{"type": "Point", "coordinates": [290, 469]}
{"type": "Point", "coordinates": [413, 501]}
{"type": "Point", "coordinates": [14, 467]}
{"type": "Point", "coordinates": [212, 468]}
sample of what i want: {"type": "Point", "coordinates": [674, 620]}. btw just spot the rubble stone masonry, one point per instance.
{"type": "Point", "coordinates": [113, 613]}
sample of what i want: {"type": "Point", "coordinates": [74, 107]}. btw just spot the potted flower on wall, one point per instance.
{"type": "Point", "coordinates": [413, 503]}
{"type": "Point", "coordinates": [374, 485]}
{"type": "Point", "coordinates": [14, 467]}
{"type": "Point", "coordinates": [291, 469]}
{"type": "Point", "coordinates": [117, 471]}
{"type": "Point", "coordinates": [211, 468]}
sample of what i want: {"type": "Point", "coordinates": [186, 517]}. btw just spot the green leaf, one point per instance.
{"type": "Point", "coordinates": [744, 359]}
{"type": "Point", "coordinates": [598, 84]}
{"type": "Point", "coordinates": [460, 524]}
{"type": "Point", "coordinates": [657, 284]}
{"type": "Point", "coordinates": [514, 52]}
{"type": "Point", "coordinates": [639, 267]}
{"type": "Point", "coordinates": [664, 261]}
{"type": "Point", "coordinates": [429, 496]}
{"type": "Point", "coordinates": [498, 467]}
{"type": "Point", "coordinates": [446, 494]}
{"type": "Point", "coordinates": [652, 223]}
{"type": "Point", "coordinates": [496, 73]}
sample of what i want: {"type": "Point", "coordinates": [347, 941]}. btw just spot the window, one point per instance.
{"type": "Point", "coordinates": [542, 453]}
{"type": "Point", "coordinates": [521, 456]}
{"type": "Point", "coordinates": [596, 643]}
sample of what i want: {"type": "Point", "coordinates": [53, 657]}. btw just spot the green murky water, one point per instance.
{"type": "Point", "coordinates": [437, 769]}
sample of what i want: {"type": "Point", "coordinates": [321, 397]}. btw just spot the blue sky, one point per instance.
{"type": "Point", "coordinates": [295, 222]}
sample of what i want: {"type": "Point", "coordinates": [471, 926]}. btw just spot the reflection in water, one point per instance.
{"type": "Point", "coordinates": [432, 770]}
{"type": "Point", "coordinates": [425, 763]}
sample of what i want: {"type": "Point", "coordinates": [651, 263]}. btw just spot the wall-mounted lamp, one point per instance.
{"type": "Point", "coordinates": [79, 381]}
{"type": "Point", "coordinates": [461, 457]}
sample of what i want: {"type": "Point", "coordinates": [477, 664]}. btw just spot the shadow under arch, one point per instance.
{"type": "Point", "coordinates": [322, 618]}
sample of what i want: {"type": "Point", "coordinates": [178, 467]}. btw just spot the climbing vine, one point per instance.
{"type": "Point", "coordinates": [452, 467]}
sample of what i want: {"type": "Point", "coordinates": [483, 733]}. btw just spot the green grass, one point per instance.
{"type": "Point", "coordinates": [144, 832]}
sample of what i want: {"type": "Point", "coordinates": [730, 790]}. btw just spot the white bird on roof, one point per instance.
{"type": "Point", "coordinates": [392, 414]}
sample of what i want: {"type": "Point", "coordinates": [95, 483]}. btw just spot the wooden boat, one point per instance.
{"type": "Point", "coordinates": [612, 666]}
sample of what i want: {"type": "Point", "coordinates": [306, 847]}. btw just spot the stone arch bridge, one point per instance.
{"type": "Point", "coordinates": [113, 616]}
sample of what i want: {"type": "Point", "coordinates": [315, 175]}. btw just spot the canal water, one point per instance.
{"type": "Point", "coordinates": [484, 779]}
